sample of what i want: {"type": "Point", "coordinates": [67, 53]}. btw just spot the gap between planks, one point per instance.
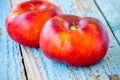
{"type": "Point", "coordinates": [23, 61]}
{"type": "Point", "coordinates": [106, 20]}
{"type": "Point", "coordinates": [34, 72]}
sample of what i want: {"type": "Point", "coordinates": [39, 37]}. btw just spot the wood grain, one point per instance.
{"type": "Point", "coordinates": [33, 65]}
{"type": "Point", "coordinates": [11, 67]}
{"type": "Point", "coordinates": [39, 67]}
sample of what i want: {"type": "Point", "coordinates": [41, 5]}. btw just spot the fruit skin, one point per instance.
{"type": "Point", "coordinates": [83, 45]}
{"type": "Point", "coordinates": [25, 21]}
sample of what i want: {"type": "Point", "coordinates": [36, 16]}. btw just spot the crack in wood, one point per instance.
{"type": "Point", "coordinates": [34, 72]}
{"type": "Point", "coordinates": [25, 71]}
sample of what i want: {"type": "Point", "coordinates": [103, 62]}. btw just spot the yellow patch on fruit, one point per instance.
{"type": "Point", "coordinates": [73, 28]}
{"type": "Point", "coordinates": [62, 38]}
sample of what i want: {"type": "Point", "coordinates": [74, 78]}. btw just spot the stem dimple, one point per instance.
{"type": "Point", "coordinates": [73, 27]}
{"type": "Point", "coordinates": [32, 8]}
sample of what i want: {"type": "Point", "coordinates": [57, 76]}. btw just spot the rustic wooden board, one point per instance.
{"type": "Point", "coordinates": [11, 67]}
{"type": "Point", "coordinates": [39, 67]}
{"type": "Point", "coordinates": [111, 11]}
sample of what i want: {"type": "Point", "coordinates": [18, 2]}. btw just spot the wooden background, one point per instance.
{"type": "Point", "coordinates": [18, 62]}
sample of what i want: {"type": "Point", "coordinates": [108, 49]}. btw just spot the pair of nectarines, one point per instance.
{"type": "Point", "coordinates": [62, 37]}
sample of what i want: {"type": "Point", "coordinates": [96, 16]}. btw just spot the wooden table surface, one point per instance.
{"type": "Point", "coordinates": [18, 62]}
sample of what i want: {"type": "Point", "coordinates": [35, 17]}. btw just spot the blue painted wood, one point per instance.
{"type": "Point", "coordinates": [54, 70]}
{"type": "Point", "coordinates": [101, 71]}
{"type": "Point", "coordinates": [60, 71]}
{"type": "Point", "coordinates": [9, 60]}
{"type": "Point", "coordinates": [111, 11]}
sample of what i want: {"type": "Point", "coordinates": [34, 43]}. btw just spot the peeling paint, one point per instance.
{"type": "Point", "coordinates": [113, 77]}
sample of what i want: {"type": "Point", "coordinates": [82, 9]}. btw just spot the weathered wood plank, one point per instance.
{"type": "Point", "coordinates": [11, 67]}
{"type": "Point", "coordinates": [111, 11]}
{"type": "Point", "coordinates": [33, 65]}
{"type": "Point", "coordinates": [53, 70]}
{"type": "Point", "coordinates": [39, 67]}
